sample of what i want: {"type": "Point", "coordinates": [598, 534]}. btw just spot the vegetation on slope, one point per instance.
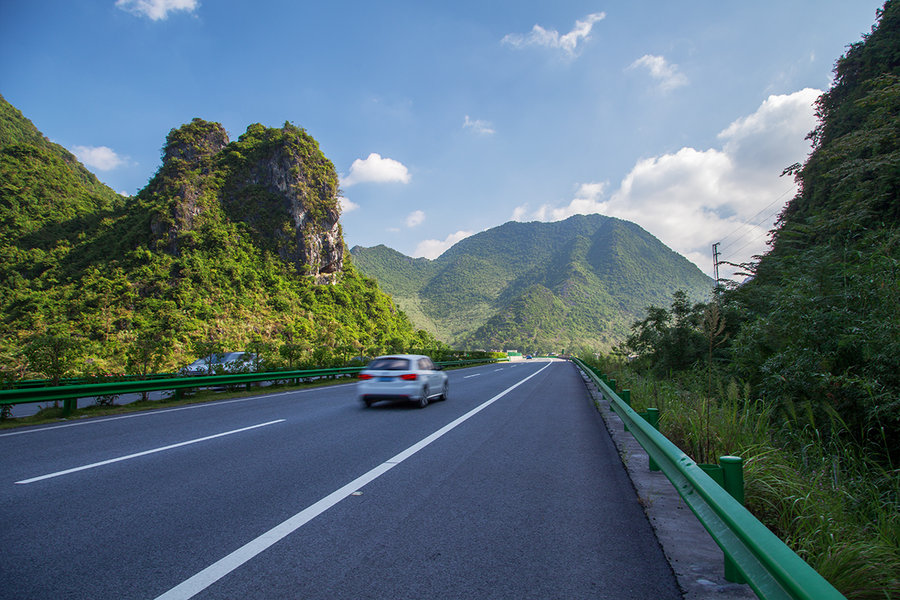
{"type": "Point", "coordinates": [817, 324]}
{"type": "Point", "coordinates": [200, 260]}
{"type": "Point", "coordinates": [601, 273]}
{"type": "Point", "coordinates": [798, 370]}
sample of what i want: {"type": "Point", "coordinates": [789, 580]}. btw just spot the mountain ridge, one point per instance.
{"type": "Point", "coordinates": [600, 268]}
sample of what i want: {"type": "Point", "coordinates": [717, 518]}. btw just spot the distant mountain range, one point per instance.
{"type": "Point", "coordinates": [537, 287]}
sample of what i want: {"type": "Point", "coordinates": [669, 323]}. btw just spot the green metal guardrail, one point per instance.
{"type": "Point", "coordinates": [36, 383]}
{"type": "Point", "coordinates": [70, 393]}
{"type": "Point", "coordinates": [772, 569]}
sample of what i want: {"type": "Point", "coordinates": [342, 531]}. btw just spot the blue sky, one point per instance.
{"type": "Point", "coordinates": [448, 118]}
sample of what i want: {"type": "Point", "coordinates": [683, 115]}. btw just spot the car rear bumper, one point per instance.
{"type": "Point", "coordinates": [374, 391]}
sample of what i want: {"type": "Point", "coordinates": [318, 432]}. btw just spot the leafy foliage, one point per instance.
{"type": "Point", "coordinates": [817, 325]}
{"type": "Point", "coordinates": [195, 257]}
{"type": "Point", "coordinates": [537, 287]}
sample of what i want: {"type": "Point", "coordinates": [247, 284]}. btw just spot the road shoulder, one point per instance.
{"type": "Point", "coordinates": [693, 555]}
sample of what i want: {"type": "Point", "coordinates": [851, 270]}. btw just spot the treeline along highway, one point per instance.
{"type": "Point", "coordinates": [510, 489]}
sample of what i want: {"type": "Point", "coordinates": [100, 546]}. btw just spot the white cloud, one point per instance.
{"type": "Point", "coordinates": [416, 217]}
{"type": "Point", "coordinates": [478, 126]}
{"type": "Point", "coordinates": [347, 205]}
{"type": "Point", "coordinates": [694, 198]}
{"type": "Point", "coordinates": [156, 10]}
{"type": "Point", "coordinates": [520, 213]}
{"type": "Point", "coordinates": [375, 169]}
{"type": "Point", "coordinates": [550, 38]}
{"type": "Point", "coordinates": [98, 157]}
{"type": "Point", "coordinates": [433, 248]}
{"type": "Point", "coordinates": [586, 201]}
{"type": "Point", "coordinates": [667, 74]}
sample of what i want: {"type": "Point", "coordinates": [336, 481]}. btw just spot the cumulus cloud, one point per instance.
{"type": "Point", "coordinates": [550, 38]}
{"type": "Point", "coordinates": [98, 157]}
{"type": "Point", "coordinates": [433, 248]}
{"type": "Point", "coordinates": [347, 205]}
{"type": "Point", "coordinates": [478, 126]}
{"type": "Point", "coordinates": [667, 74]}
{"type": "Point", "coordinates": [587, 200]}
{"type": "Point", "coordinates": [157, 10]}
{"type": "Point", "coordinates": [693, 198]}
{"type": "Point", "coordinates": [375, 169]}
{"type": "Point", "coordinates": [416, 217]}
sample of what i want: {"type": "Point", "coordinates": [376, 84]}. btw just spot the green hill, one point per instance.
{"type": "Point", "coordinates": [537, 286]}
{"type": "Point", "coordinates": [231, 244]}
{"type": "Point", "coordinates": [822, 314]}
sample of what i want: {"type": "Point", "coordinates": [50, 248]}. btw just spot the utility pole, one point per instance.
{"type": "Point", "coordinates": [715, 253]}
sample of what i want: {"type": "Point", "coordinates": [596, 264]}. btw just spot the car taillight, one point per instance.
{"type": "Point", "coordinates": [409, 377]}
{"type": "Point", "coordinates": [364, 376]}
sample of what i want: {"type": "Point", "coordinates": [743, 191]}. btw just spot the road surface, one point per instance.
{"type": "Point", "coordinates": [510, 489]}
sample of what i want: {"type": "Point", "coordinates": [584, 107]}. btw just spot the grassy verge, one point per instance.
{"type": "Point", "coordinates": [833, 504]}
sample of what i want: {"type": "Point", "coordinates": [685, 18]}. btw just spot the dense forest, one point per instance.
{"type": "Point", "coordinates": [817, 324]}
{"type": "Point", "coordinates": [232, 245]}
{"type": "Point", "coordinates": [797, 370]}
{"type": "Point", "coordinates": [537, 287]}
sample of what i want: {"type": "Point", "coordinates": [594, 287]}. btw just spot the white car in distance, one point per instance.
{"type": "Point", "coordinates": [411, 377]}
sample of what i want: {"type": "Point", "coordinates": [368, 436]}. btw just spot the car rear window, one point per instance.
{"type": "Point", "coordinates": [389, 364]}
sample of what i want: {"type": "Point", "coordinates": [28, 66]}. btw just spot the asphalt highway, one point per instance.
{"type": "Point", "coordinates": [512, 488]}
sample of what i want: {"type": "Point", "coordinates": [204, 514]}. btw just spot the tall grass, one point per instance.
{"type": "Point", "coordinates": [827, 499]}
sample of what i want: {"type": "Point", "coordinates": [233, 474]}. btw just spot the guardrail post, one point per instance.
{"type": "Point", "coordinates": [69, 404]}
{"type": "Point", "coordinates": [733, 474]}
{"type": "Point", "coordinates": [653, 419]}
{"type": "Point", "coordinates": [612, 385]}
{"type": "Point", "coordinates": [625, 395]}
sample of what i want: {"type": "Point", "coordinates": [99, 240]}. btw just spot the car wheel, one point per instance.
{"type": "Point", "coordinates": [367, 402]}
{"type": "Point", "coordinates": [445, 391]}
{"type": "Point", "coordinates": [423, 401]}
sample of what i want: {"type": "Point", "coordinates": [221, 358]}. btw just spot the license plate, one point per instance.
{"type": "Point", "coordinates": [385, 379]}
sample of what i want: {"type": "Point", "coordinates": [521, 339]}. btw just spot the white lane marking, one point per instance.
{"type": "Point", "coordinates": [205, 578]}
{"type": "Point", "coordinates": [144, 453]}
{"type": "Point", "coordinates": [470, 376]}
{"type": "Point", "coordinates": [151, 412]}
{"type": "Point", "coordinates": [495, 370]}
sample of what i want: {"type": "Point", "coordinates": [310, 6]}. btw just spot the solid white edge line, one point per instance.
{"type": "Point", "coordinates": [219, 569]}
{"type": "Point", "coordinates": [144, 453]}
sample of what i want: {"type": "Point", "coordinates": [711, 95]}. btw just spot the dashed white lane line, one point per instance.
{"type": "Point", "coordinates": [471, 376]}
{"type": "Point", "coordinates": [144, 453]}
{"type": "Point", "coordinates": [208, 576]}
{"type": "Point", "coordinates": [162, 411]}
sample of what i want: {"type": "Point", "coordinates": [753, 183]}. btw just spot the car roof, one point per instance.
{"type": "Point", "coordinates": [224, 357]}
{"type": "Point", "coordinates": [406, 356]}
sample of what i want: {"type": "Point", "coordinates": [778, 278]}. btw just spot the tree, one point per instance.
{"type": "Point", "coordinates": [53, 353]}
{"type": "Point", "coordinates": [210, 351]}
{"type": "Point", "coordinates": [145, 355]}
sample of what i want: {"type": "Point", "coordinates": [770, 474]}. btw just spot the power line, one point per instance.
{"type": "Point", "coordinates": [756, 224]}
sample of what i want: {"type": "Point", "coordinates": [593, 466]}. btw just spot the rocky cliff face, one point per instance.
{"type": "Point", "coordinates": [183, 183]}
{"type": "Point", "coordinates": [275, 181]}
{"type": "Point", "coordinates": [285, 189]}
